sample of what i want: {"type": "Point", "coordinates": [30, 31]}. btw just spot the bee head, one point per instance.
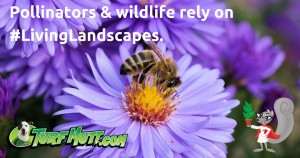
{"type": "Point", "coordinates": [171, 66]}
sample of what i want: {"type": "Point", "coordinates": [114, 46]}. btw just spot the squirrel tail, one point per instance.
{"type": "Point", "coordinates": [284, 110]}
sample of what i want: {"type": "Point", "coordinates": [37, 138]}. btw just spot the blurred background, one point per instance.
{"type": "Point", "coordinates": [277, 18]}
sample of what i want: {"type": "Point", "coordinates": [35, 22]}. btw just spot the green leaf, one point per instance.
{"type": "Point", "coordinates": [245, 115]}
{"type": "Point", "coordinates": [248, 110]}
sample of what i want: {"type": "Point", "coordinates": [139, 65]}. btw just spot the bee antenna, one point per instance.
{"type": "Point", "coordinates": [158, 52]}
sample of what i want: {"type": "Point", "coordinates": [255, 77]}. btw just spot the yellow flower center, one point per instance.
{"type": "Point", "coordinates": [148, 103]}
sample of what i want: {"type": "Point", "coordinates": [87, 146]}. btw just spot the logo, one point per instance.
{"type": "Point", "coordinates": [27, 135]}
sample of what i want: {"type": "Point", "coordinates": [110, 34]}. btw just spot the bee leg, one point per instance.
{"type": "Point", "coordinates": [135, 78]}
{"type": "Point", "coordinates": [143, 75]}
{"type": "Point", "coordinates": [166, 95]}
{"type": "Point", "coordinates": [174, 96]}
{"type": "Point", "coordinates": [142, 78]}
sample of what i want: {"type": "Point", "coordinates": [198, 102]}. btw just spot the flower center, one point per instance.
{"type": "Point", "coordinates": [149, 103]}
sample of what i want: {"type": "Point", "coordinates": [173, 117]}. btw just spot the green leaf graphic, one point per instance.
{"type": "Point", "coordinates": [248, 110]}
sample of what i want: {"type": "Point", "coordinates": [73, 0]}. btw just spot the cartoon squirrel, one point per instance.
{"type": "Point", "coordinates": [284, 110]}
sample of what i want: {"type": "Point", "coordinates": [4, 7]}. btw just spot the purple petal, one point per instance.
{"type": "Point", "coordinates": [215, 135]}
{"type": "Point", "coordinates": [93, 99]}
{"type": "Point", "coordinates": [101, 82]}
{"type": "Point", "coordinates": [65, 111]}
{"type": "Point", "coordinates": [220, 123]}
{"type": "Point", "coordinates": [163, 31]}
{"type": "Point", "coordinates": [188, 137]}
{"type": "Point", "coordinates": [134, 130]}
{"type": "Point", "coordinates": [124, 23]}
{"type": "Point", "coordinates": [147, 142]}
{"type": "Point", "coordinates": [115, 122]}
{"type": "Point", "coordinates": [8, 42]}
{"type": "Point", "coordinates": [109, 72]}
{"type": "Point", "coordinates": [189, 124]}
{"type": "Point", "coordinates": [4, 21]}
{"type": "Point", "coordinates": [99, 115]}
{"type": "Point", "coordinates": [198, 151]}
{"type": "Point", "coordinates": [161, 148]}
{"type": "Point", "coordinates": [69, 100]}
{"type": "Point", "coordinates": [24, 22]}
{"type": "Point", "coordinates": [174, 144]}
{"type": "Point", "coordinates": [184, 63]}
{"type": "Point", "coordinates": [67, 126]}
{"type": "Point", "coordinates": [133, 148]}
{"type": "Point", "coordinates": [4, 2]}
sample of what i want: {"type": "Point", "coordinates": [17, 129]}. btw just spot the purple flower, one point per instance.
{"type": "Point", "coordinates": [2, 152]}
{"type": "Point", "coordinates": [287, 26]}
{"type": "Point", "coordinates": [186, 35]}
{"type": "Point", "coordinates": [8, 105]}
{"type": "Point", "coordinates": [191, 125]}
{"type": "Point", "coordinates": [41, 73]}
{"type": "Point", "coordinates": [245, 58]}
{"type": "Point", "coordinates": [57, 25]}
{"type": "Point", "coordinates": [271, 92]}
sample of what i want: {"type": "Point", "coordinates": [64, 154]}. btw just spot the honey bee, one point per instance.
{"type": "Point", "coordinates": [165, 69]}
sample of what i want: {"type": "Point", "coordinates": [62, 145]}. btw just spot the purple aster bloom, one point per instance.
{"type": "Point", "coordinates": [41, 73]}
{"type": "Point", "coordinates": [191, 125]}
{"type": "Point", "coordinates": [7, 24]}
{"type": "Point", "coordinates": [183, 34]}
{"type": "Point", "coordinates": [245, 58]}
{"type": "Point", "coordinates": [8, 105]}
{"type": "Point", "coordinates": [271, 92]}
{"type": "Point", "coordinates": [283, 23]}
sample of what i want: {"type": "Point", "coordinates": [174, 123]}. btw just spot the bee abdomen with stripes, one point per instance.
{"type": "Point", "coordinates": [137, 63]}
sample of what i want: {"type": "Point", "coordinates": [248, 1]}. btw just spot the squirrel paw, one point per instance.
{"type": "Point", "coordinates": [258, 150]}
{"type": "Point", "coordinates": [271, 150]}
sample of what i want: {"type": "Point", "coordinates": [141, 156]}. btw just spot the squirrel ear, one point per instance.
{"type": "Point", "coordinates": [272, 113]}
{"type": "Point", "coordinates": [30, 122]}
{"type": "Point", "coordinates": [258, 115]}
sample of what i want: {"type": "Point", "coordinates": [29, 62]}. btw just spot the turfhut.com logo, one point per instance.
{"type": "Point", "coordinates": [27, 135]}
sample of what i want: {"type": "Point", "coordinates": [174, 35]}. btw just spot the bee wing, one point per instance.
{"type": "Point", "coordinates": [158, 52]}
